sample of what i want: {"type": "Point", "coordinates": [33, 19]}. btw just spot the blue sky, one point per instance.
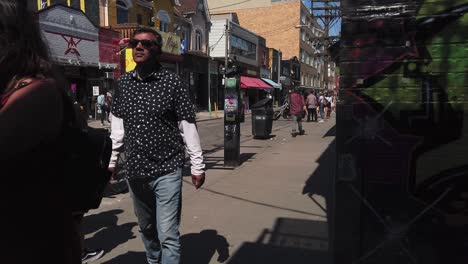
{"type": "Point", "coordinates": [336, 28]}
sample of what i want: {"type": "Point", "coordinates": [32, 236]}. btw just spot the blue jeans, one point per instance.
{"type": "Point", "coordinates": [157, 204]}
{"type": "Point", "coordinates": [297, 123]}
{"type": "Point", "coordinates": [321, 110]}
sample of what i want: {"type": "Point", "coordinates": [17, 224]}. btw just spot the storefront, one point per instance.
{"type": "Point", "coordinates": [195, 74]}
{"type": "Point", "coordinates": [252, 90]}
{"type": "Point", "coordinates": [84, 56]}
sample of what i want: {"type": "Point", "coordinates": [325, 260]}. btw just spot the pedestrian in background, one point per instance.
{"type": "Point", "coordinates": [311, 103]}
{"type": "Point", "coordinates": [321, 107]}
{"type": "Point", "coordinates": [37, 224]}
{"type": "Point", "coordinates": [152, 110]}
{"type": "Point", "coordinates": [329, 104]}
{"type": "Point", "coordinates": [103, 109]}
{"type": "Point", "coordinates": [298, 108]}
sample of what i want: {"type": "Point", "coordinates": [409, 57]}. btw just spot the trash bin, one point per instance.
{"type": "Point", "coordinates": [262, 118]}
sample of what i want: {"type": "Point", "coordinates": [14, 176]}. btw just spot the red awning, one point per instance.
{"type": "Point", "coordinates": [253, 83]}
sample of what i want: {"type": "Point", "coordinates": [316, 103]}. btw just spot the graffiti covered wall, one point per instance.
{"type": "Point", "coordinates": [403, 130]}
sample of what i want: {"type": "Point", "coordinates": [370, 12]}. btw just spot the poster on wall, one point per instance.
{"type": "Point", "coordinates": [95, 90]}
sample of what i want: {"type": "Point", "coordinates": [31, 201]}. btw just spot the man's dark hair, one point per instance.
{"type": "Point", "coordinates": [22, 50]}
{"type": "Point", "coordinates": [158, 36]}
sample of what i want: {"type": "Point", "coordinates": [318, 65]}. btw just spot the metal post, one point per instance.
{"type": "Point", "coordinates": [226, 55]}
{"type": "Point", "coordinates": [231, 112]}
{"type": "Point", "coordinates": [209, 78]}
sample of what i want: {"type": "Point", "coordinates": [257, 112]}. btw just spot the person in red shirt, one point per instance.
{"type": "Point", "coordinates": [298, 108]}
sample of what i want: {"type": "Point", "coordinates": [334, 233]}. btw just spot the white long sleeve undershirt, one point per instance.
{"type": "Point", "coordinates": [188, 132]}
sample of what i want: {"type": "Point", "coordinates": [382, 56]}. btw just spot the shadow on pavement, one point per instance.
{"type": "Point", "coordinates": [331, 132]}
{"type": "Point", "coordinates": [94, 222]}
{"type": "Point", "coordinates": [217, 163]}
{"type": "Point", "coordinates": [319, 186]}
{"type": "Point", "coordinates": [128, 258]}
{"type": "Point", "coordinates": [111, 236]}
{"type": "Point", "coordinates": [200, 248]}
{"type": "Point", "coordinates": [291, 240]}
{"type": "Point", "coordinates": [256, 202]}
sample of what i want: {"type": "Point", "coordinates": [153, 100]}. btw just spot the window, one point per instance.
{"type": "Point", "coordinates": [163, 26]}
{"type": "Point", "coordinates": [187, 37]}
{"type": "Point", "coordinates": [303, 35]}
{"type": "Point", "coordinates": [139, 19]}
{"type": "Point", "coordinates": [122, 12]}
{"type": "Point", "coordinates": [198, 40]}
{"type": "Point", "coordinates": [164, 20]}
{"type": "Point", "coordinates": [242, 47]}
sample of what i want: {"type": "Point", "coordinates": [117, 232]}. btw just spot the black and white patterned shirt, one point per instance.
{"type": "Point", "coordinates": [151, 109]}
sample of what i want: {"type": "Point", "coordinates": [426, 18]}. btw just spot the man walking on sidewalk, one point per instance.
{"type": "Point", "coordinates": [152, 110]}
{"type": "Point", "coordinates": [298, 108]}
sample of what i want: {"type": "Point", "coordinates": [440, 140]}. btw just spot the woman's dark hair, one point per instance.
{"type": "Point", "coordinates": [22, 50]}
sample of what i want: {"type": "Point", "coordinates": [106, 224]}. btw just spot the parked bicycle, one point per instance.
{"type": "Point", "coordinates": [283, 110]}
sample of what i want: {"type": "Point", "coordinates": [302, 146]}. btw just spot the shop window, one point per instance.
{"type": "Point", "coordinates": [198, 40]}
{"type": "Point", "coordinates": [122, 12]}
{"type": "Point", "coordinates": [242, 47]}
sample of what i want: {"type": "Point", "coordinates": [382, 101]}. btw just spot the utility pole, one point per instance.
{"type": "Point", "coordinates": [209, 78]}
{"type": "Point", "coordinates": [327, 13]}
{"type": "Point", "coordinates": [326, 57]}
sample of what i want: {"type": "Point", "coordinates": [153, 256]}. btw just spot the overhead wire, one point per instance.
{"type": "Point", "coordinates": [214, 45]}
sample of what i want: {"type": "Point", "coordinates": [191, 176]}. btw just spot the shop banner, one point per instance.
{"type": "Point", "coordinates": [171, 43]}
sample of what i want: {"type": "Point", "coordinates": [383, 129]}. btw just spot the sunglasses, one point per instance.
{"type": "Point", "coordinates": [146, 43]}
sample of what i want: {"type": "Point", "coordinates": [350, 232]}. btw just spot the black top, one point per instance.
{"type": "Point", "coordinates": [150, 109]}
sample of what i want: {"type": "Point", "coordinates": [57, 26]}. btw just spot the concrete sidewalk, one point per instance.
{"type": "Point", "coordinates": [271, 209]}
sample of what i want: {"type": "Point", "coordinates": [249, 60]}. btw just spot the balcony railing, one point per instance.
{"type": "Point", "coordinates": [125, 30]}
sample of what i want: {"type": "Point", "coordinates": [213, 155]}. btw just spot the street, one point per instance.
{"type": "Point", "coordinates": [270, 209]}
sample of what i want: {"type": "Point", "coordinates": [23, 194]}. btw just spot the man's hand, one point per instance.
{"type": "Point", "coordinates": [198, 180]}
